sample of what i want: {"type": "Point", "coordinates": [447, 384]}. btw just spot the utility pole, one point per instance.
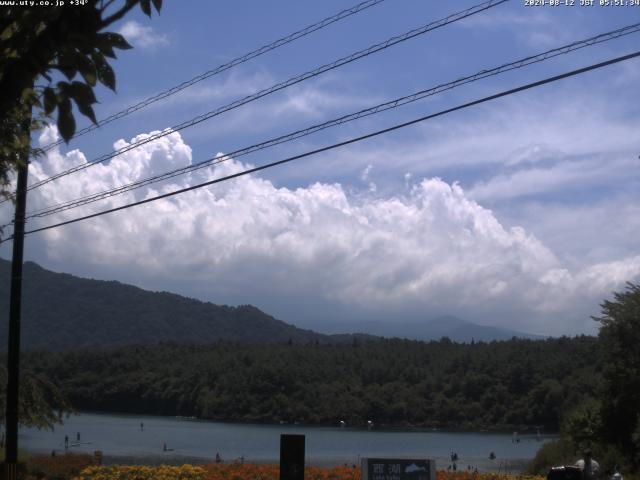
{"type": "Point", "coordinates": [13, 357]}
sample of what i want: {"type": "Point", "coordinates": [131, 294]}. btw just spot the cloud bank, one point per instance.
{"type": "Point", "coordinates": [316, 253]}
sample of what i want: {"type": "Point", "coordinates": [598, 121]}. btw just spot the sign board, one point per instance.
{"type": "Point", "coordinates": [398, 469]}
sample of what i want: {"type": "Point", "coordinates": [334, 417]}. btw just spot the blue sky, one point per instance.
{"type": "Point", "coordinates": [522, 212]}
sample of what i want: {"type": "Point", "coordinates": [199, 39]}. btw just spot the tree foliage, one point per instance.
{"type": "Point", "coordinates": [65, 48]}
{"type": "Point", "coordinates": [620, 398]}
{"type": "Point", "coordinates": [607, 419]}
{"type": "Point", "coordinates": [41, 403]}
{"type": "Point", "coordinates": [583, 424]}
{"type": "Point", "coordinates": [497, 385]}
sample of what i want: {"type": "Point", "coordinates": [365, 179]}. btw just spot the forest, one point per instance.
{"type": "Point", "coordinates": [515, 384]}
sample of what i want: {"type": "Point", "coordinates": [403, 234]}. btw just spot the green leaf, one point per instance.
{"type": "Point", "coordinates": [98, 60]}
{"type": "Point", "coordinates": [87, 69]}
{"type": "Point", "coordinates": [116, 40]}
{"type": "Point", "coordinates": [104, 46]}
{"type": "Point", "coordinates": [105, 72]}
{"type": "Point", "coordinates": [42, 26]}
{"type": "Point", "coordinates": [84, 98]}
{"type": "Point", "coordinates": [157, 4]}
{"type": "Point", "coordinates": [82, 93]}
{"type": "Point", "coordinates": [63, 88]}
{"type": "Point", "coordinates": [67, 70]}
{"type": "Point", "coordinates": [50, 100]}
{"type": "Point", "coordinates": [145, 5]}
{"type": "Point", "coordinates": [106, 76]}
{"type": "Point", "coordinates": [29, 96]}
{"type": "Point", "coordinates": [87, 111]}
{"type": "Point", "coordinates": [90, 77]}
{"type": "Point", "coordinates": [107, 51]}
{"type": "Point", "coordinates": [67, 63]}
{"type": "Point", "coordinates": [66, 122]}
{"type": "Point", "coordinates": [63, 91]}
{"type": "Point", "coordinates": [8, 32]}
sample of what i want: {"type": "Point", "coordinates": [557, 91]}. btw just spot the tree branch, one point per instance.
{"type": "Point", "coordinates": [118, 15]}
{"type": "Point", "coordinates": [104, 6]}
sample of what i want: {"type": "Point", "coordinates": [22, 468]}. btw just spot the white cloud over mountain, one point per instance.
{"type": "Point", "coordinates": [317, 251]}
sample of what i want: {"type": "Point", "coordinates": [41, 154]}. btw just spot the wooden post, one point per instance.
{"type": "Point", "coordinates": [291, 457]}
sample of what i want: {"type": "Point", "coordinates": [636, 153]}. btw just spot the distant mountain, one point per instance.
{"type": "Point", "coordinates": [449, 326]}
{"type": "Point", "coordinates": [62, 311]}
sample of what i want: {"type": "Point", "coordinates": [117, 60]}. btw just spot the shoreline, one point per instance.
{"type": "Point", "coordinates": [526, 432]}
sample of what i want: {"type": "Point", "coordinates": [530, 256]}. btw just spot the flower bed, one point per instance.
{"type": "Point", "coordinates": [83, 467]}
{"type": "Point", "coordinates": [237, 471]}
{"type": "Point", "coordinates": [141, 472]}
{"type": "Point", "coordinates": [60, 467]}
{"type": "Point", "coordinates": [465, 475]}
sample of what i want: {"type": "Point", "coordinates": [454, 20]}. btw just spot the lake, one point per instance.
{"type": "Point", "coordinates": [121, 439]}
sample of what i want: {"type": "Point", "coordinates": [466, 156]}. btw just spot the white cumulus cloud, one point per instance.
{"type": "Point", "coordinates": [432, 250]}
{"type": "Point", "coordinates": [142, 36]}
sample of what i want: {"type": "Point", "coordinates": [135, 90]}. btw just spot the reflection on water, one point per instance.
{"type": "Point", "coordinates": [143, 439]}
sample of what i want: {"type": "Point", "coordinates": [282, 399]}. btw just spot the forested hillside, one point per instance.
{"type": "Point", "coordinates": [61, 311]}
{"type": "Point", "coordinates": [493, 385]}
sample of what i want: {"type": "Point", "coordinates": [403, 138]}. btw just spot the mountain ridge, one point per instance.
{"type": "Point", "coordinates": [451, 327]}
{"type": "Point", "coordinates": [62, 311]}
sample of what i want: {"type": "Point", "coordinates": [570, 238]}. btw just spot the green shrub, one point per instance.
{"type": "Point", "coordinates": [553, 454]}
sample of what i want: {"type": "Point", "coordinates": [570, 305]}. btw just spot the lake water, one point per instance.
{"type": "Point", "coordinates": [121, 439]}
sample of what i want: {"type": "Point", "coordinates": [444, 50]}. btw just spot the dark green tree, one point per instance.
{"type": "Point", "coordinates": [42, 404]}
{"type": "Point", "coordinates": [620, 339]}
{"type": "Point", "coordinates": [50, 59]}
{"type": "Point", "coordinates": [583, 424]}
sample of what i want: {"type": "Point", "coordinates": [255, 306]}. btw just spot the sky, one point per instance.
{"type": "Point", "coordinates": [522, 212]}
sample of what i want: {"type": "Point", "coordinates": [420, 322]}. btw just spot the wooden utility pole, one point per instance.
{"type": "Point", "coordinates": [13, 357]}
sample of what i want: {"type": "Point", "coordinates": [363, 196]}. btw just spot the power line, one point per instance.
{"type": "Point", "coordinates": [224, 67]}
{"type": "Point", "coordinates": [347, 142]}
{"type": "Point", "coordinates": [91, 198]}
{"type": "Point", "coordinates": [280, 86]}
